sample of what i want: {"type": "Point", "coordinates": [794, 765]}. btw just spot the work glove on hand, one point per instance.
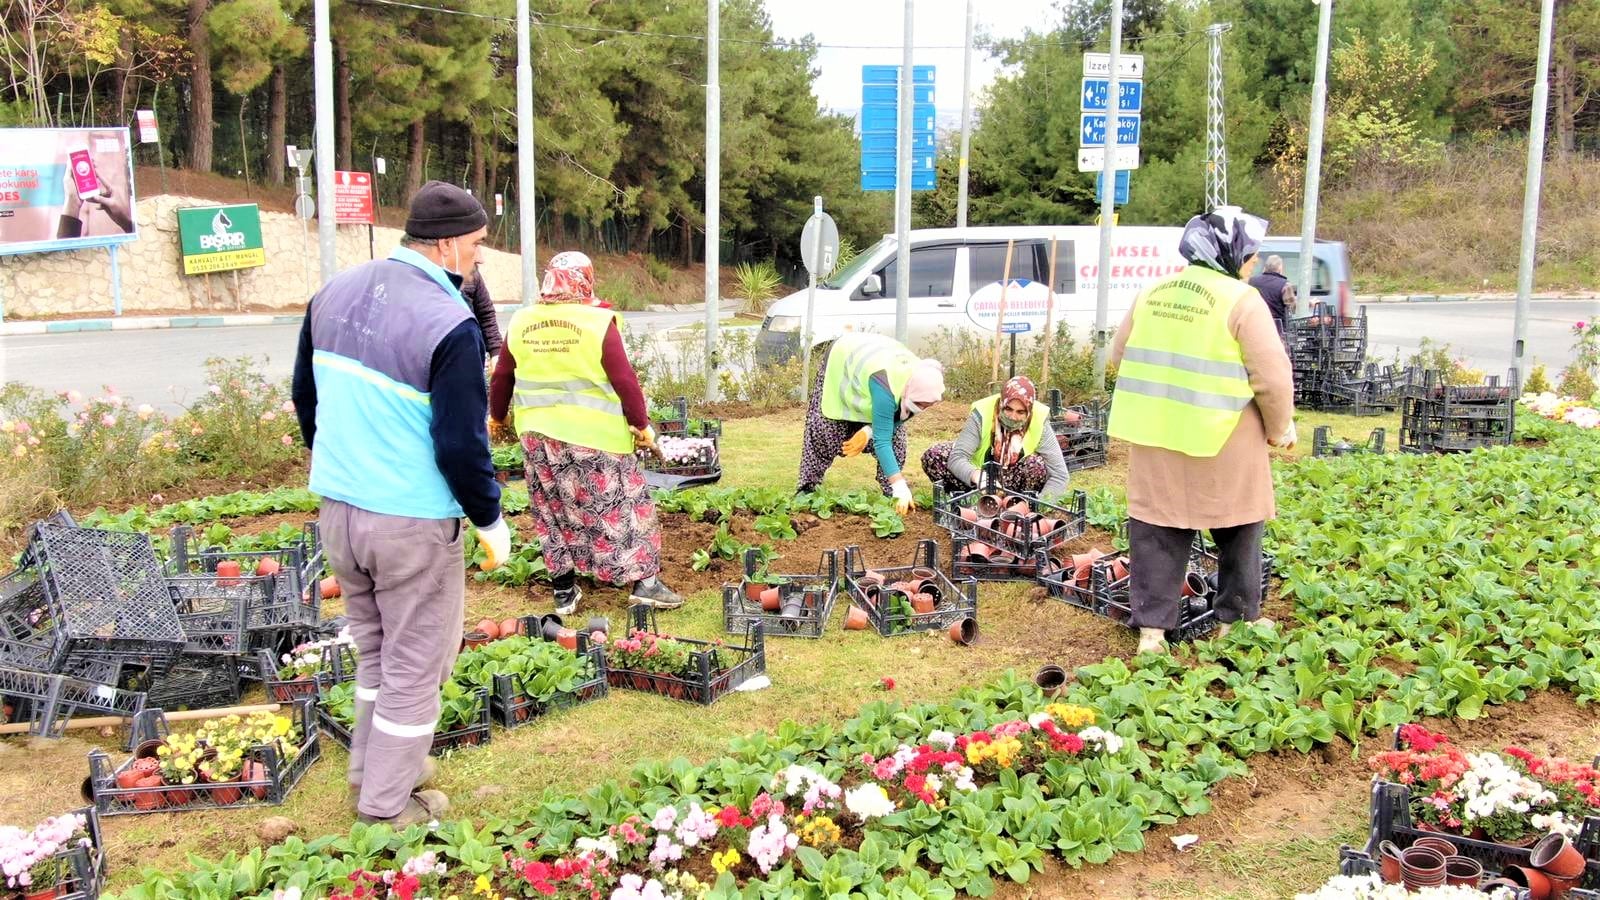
{"type": "Point", "coordinates": [903, 501]}
{"type": "Point", "coordinates": [645, 439]}
{"type": "Point", "coordinates": [857, 442]}
{"type": "Point", "coordinates": [496, 541]}
{"type": "Point", "coordinates": [1288, 440]}
{"type": "Point", "coordinates": [501, 433]}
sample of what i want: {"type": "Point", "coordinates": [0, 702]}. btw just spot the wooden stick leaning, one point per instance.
{"type": "Point", "coordinates": [1000, 320]}
{"type": "Point", "coordinates": [174, 716]}
{"type": "Point", "coordinates": [1049, 316]}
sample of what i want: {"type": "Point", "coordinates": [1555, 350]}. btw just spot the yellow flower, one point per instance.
{"type": "Point", "coordinates": [482, 886]}
{"type": "Point", "coordinates": [1071, 716]}
{"type": "Point", "coordinates": [724, 861]}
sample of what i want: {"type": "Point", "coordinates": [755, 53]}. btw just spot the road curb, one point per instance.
{"type": "Point", "coordinates": [1463, 298]}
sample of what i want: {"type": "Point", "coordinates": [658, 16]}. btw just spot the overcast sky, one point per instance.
{"type": "Point", "coordinates": [939, 23]}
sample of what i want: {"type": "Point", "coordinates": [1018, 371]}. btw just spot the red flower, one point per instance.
{"type": "Point", "coordinates": [728, 816]}
{"type": "Point", "coordinates": [887, 684]}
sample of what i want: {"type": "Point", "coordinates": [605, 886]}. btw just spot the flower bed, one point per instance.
{"type": "Point", "coordinates": [61, 857]}
{"type": "Point", "coordinates": [682, 668]}
{"type": "Point", "coordinates": [890, 595]}
{"type": "Point", "coordinates": [791, 604]}
{"type": "Point", "coordinates": [463, 716]}
{"type": "Point", "coordinates": [1562, 409]}
{"type": "Point", "coordinates": [229, 762]}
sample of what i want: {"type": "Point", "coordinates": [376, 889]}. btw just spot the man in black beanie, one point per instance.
{"type": "Point", "coordinates": [389, 390]}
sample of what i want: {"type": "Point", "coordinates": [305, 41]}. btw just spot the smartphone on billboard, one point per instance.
{"type": "Point", "coordinates": [83, 174]}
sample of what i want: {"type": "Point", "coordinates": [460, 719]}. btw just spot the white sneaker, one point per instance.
{"type": "Point", "coordinates": [1152, 640]}
{"type": "Point", "coordinates": [567, 601]}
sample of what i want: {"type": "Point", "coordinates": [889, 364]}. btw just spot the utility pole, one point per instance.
{"type": "Point", "coordinates": [1216, 123]}
{"type": "Point", "coordinates": [902, 190]}
{"type": "Point", "coordinates": [322, 65]}
{"type": "Point", "coordinates": [966, 125]}
{"type": "Point", "coordinates": [1108, 206]}
{"type": "Point", "coordinates": [1308, 220]}
{"type": "Point", "coordinates": [713, 191]}
{"type": "Point", "coordinates": [527, 215]}
{"type": "Point", "coordinates": [1532, 185]}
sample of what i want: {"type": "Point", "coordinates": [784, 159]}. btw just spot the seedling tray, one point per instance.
{"type": "Point", "coordinates": [105, 595]}
{"type": "Point", "coordinates": [510, 709]}
{"type": "Point", "coordinates": [1391, 821]}
{"type": "Point", "coordinates": [680, 423]}
{"type": "Point", "coordinates": [80, 871]}
{"type": "Point", "coordinates": [270, 790]}
{"type": "Point", "coordinates": [465, 737]}
{"type": "Point", "coordinates": [338, 667]}
{"type": "Point", "coordinates": [957, 600]}
{"type": "Point", "coordinates": [286, 599]}
{"type": "Point", "coordinates": [711, 680]}
{"type": "Point", "coordinates": [1015, 532]}
{"type": "Point", "coordinates": [816, 594]}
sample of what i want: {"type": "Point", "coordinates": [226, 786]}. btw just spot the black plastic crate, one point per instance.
{"type": "Point", "coordinates": [1093, 592]}
{"type": "Point", "coordinates": [711, 681]}
{"type": "Point", "coordinates": [195, 682]}
{"type": "Point", "coordinates": [29, 638]}
{"type": "Point", "coordinates": [1322, 443]}
{"type": "Point", "coordinates": [106, 594]}
{"type": "Point", "coordinates": [1008, 568]}
{"type": "Point", "coordinates": [955, 600]}
{"type": "Point", "coordinates": [339, 666]}
{"type": "Point", "coordinates": [1091, 416]}
{"type": "Point", "coordinates": [681, 425]}
{"type": "Point", "coordinates": [805, 601]}
{"type": "Point", "coordinates": [465, 737]}
{"type": "Point", "coordinates": [509, 709]}
{"type": "Point", "coordinates": [277, 779]}
{"type": "Point", "coordinates": [1391, 820]}
{"type": "Point", "coordinates": [1043, 526]}
{"type": "Point", "coordinates": [47, 701]}
{"type": "Point", "coordinates": [289, 598]}
{"type": "Point", "coordinates": [78, 872]}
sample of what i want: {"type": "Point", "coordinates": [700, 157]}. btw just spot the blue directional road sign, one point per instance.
{"type": "Point", "coordinates": [1130, 95]}
{"type": "Point", "coordinates": [879, 121]}
{"type": "Point", "coordinates": [1092, 130]}
{"type": "Point", "coordinates": [1121, 193]}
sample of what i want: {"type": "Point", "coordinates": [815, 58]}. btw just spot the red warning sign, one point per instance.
{"type": "Point", "coordinates": [352, 198]}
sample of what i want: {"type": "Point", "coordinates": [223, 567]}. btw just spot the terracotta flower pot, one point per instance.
{"type": "Point", "coordinates": [1463, 870]}
{"type": "Point", "coordinates": [1421, 867]}
{"type": "Point", "coordinates": [871, 576]}
{"type": "Point", "coordinates": [128, 778]}
{"type": "Point", "coordinates": [509, 627]}
{"type": "Point", "coordinates": [771, 600]}
{"type": "Point", "coordinates": [964, 631]}
{"type": "Point", "coordinates": [1051, 679]}
{"type": "Point", "coordinates": [1019, 507]}
{"type": "Point", "coordinates": [1194, 585]}
{"type": "Point", "coordinates": [474, 639]}
{"type": "Point", "coordinates": [1443, 847]}
{"type": "Point", "coordinates": [923, 573]}
{"type": "Point", "coordinates": [1555, 855]}
{"type": "Point", "coordinates": [256, 771]}
{"type": "Point", "coordinates": [226, 793]}
{"type": "Point", "coordinates": [568, 638]}
{"type": "Point", "coordinates": [1389, 862]}
{"type": "Point", "coordinates": [489, 627]}
{"type": "Point", "coordinates": [1042, 527]}
{"type": "Point", "coordinates": [44, 894]}
{"type": "Point", "coordinates": [179, 797]}
{"type": "Point", "coordinates": [922, 604]}
{"type": "Point", "coordinates": [1083, 565]}
{"type": "Point", "coordinates": [149, 799]}
{"type": "Point", "coordinates": [989, 505]}
{"type": "Point", "coordinates": [856, 619]}
{"type": "Point", "coordinates": [969, 515]}
{"type": "Point", "coordinates": [753, 591]}
{"type": "Point", "coordinates": [1119, 568]}
{"type": "Point", "coordinates": [1537, 883]}
{"type": "Point", "coordinates": [1013, 525]}
{"type": "Point", "coordinates": [1561, 887]}
{"type": "Point", "coordinates": [978, 552]}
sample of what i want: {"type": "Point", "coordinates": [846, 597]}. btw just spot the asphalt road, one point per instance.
{"type": "Point", "coordinates": [1478, 330]}
{"type": "Point", "coordinates": [166, 367]}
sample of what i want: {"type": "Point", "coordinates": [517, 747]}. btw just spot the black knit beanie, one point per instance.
{"type": "Point", "coordinates": [441, 210]}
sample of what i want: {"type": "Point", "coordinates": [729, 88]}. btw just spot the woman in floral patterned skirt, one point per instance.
{"type": "Point", "coordinates": [590, 505]}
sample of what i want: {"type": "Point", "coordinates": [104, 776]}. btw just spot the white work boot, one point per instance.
{"type": "Point", "coordinates": [1152, 640]}
{"type": "Point", "coordinates": [1225, 627]}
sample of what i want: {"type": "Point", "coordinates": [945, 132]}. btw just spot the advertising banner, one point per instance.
{"type": "Point", "coordinates": [65, 188]}
{"type": "Point", "coordinates": [221, 238]}
{"type": "Point", "coordinates": [352, 198]}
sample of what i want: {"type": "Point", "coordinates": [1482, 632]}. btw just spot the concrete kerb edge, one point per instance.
{"type": "Point", "coordinates": [1463, 298]}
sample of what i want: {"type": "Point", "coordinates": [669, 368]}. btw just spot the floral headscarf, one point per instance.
{"type": "Point", "coordinates": [1006, 444]}
{"type": "Point", "coordinates": [1222, 239]}
{"type": "Point", "coordinates": [569, 278]}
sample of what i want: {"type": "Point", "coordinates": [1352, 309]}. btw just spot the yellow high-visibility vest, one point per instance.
{"type": "Point", "coordinates": [1030, 438]}
{"type": "Point", "coordinates": [562, 390]}
{"type": "Point", "coordinates": [853, 360]}
{"type": "Point", "coordinates": [1182, 383]}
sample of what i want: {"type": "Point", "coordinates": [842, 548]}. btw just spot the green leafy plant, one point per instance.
{"type": "Point", "coordinates": [757, 283]}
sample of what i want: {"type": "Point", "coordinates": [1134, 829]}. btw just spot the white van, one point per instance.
{"type": "Point", "coordinates": [949, 265]}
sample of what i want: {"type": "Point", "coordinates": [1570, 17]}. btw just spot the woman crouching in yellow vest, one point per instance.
{"type": "Point", "coordinates": [867, 387]}
{"type": "Point", "coordinates": [1011, 429]}
{"type": "Point", "coordinates": [1203, 386]}
{"type": "Point", "coordinates": [580, 414]}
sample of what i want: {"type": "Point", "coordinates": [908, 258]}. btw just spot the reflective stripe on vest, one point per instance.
{"type": "Point", "coordinates": [1182, 384]}
{"type": "Point", "coordinates": [985, 409]}
{"type": "Point", "coordinates": [852, 361]}
{"type": "Point", "coordinates": [562, 390]}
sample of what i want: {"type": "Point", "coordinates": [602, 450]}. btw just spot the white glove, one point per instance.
{"type": "Point", "coordinates": [1289, 439]}
{"type": "Point", "coordinates": [903, 501]}
{"type": "Point", "coordinates": [496, 541]}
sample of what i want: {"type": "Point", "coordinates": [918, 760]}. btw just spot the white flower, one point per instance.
{"type": "Point", "coordinates": [146, 411]}
{"type": "Point", "coordinates": [1037, 719]}
{"type": "Point", "coordinates": [868, 801]}
{"type": "Point", "coordinates": [1107, 741]}
{"type": "Point", "coordinates": [1370, 887]}
{"type": "Point", "coordinates": [603, 846]}
{"type": "Point", "coordinates": [942, 739]}
{"type": "Point", "coordinates": [292, 893]}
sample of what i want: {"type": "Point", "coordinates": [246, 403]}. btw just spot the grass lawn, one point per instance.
{"type": "Point", "coordinates": [813, 681]}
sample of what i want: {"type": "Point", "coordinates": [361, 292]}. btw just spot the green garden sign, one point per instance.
{"type": "Point", "coordinates": [221, 238]}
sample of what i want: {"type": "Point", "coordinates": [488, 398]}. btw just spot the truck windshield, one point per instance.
{"type": "Point", "coordinates": [847, 274]}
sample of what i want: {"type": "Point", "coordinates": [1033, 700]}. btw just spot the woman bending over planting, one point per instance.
{"type": "Point", "coordinates": [564, 377]}
{"type": "Point", "coordinates": [1010, 430]}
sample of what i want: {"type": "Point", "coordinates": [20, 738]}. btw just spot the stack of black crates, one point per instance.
{"type": "Point", "coordinates": [1331, 372]}
{"type": "Point", "coordinates": [1442, 418]}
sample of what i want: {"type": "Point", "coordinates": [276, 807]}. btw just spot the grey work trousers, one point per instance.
{"type": "Point", "coordinates": [404, 584]}
{"type": "Point", "coordinates": [1159, 556]}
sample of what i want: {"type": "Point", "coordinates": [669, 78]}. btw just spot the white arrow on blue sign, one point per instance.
{"type": "Point", "coordinates": [1092, 130]}
{"type": "Point", "coordinates": [1130, 95]}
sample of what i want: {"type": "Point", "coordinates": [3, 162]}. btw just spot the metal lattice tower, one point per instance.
{"type": "Point", "coordinates": [1216, 123]}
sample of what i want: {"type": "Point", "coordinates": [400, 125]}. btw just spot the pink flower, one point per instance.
{"type": "Point", "coordinates": [74, 396]}
{"type": "Point", "coordinates": [288, 406]}
{"type": "Point", "coordinates": [107, 420]}
{"type": "Point", "coordinates": [1580, 326]}
{"type": "Point", "coordinates": [23, 427]}
{"type": "Point", "coordinates": [287, 441]}
{"type": "Point", "coordinates": [268, 416]}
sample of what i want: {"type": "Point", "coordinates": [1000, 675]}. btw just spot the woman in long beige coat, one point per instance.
{"type": "Point", "coordinates": [1172, 494]}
